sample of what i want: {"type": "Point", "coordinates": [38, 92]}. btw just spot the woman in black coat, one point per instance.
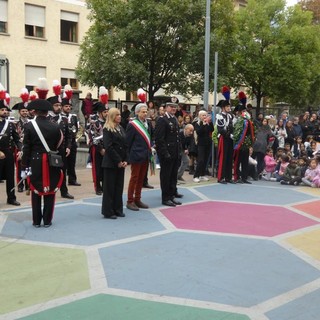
{"type": "Point", "coordinates": [114, 163]}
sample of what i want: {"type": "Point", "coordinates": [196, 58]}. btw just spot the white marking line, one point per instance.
{"type": "Point", "coordinates": [296, 232]}
{"type": "Point", "coordinates": [3, 219]}
{"type": "Point", "coordinates": [300, 254]}
{"type": "Point", "coordinates": [302, 213]}
{"type": "Point", "coordinates": [287, 297]}
{"type": "Point", "coordinates": [97, 275]}
{"type": "Point", "coordinates": [163, 219]}
{"type": "Point", "coordinates": [132, 239]}
{"type": "Point", "coordinates": [199, 194]}
{"type": "Point", "coordinates": [42, 243]}
{"type": "Point", "coordinates": [184, 302]}
{"type": "Point", "coordinates": [49, 304]}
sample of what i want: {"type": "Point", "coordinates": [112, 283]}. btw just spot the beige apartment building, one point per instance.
{"type": "Point", "coordinates": [40, 39]}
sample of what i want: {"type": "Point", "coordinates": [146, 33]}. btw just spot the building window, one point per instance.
{"type": "Point", "coordinates": [34, 21]}
{"type": "Point", "coordinates": [33, 74]}
{"type": "Point", "coordinates": [69, 26]}
{"type": "Point", "coordinates": [3, 16]}
{"type": "Point", "coordinates": [69, 77]}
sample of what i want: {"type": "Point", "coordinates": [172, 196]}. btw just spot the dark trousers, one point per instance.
{"type": "Point", "coordinates": [241, 158]}
{"type": "Point", "coordinates": [225, 156]}
{"type": "Point", "coordinates": [138, 172]}
{"type": "Point", "coordinates": [259, 156]}
{"type": "Point", "coordinates": [97, 171]}
{"type": "Point", "coordinates": [112, 203]}
{"type": "Point", "coordinates": [64, 189]}
{"type": "Point", "coordinates": [48, 207]}
{"type": "Point", "coordinates": [7, 168]}
{"type": "Point", "coordinates": [168, 177]}
{"type": "Point", "coordinates": [202, 160]}
{"type": "Point", "coordinates": [71, 164]}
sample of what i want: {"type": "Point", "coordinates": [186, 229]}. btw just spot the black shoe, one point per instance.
{"type": "Point", "coordinates": [20, 189]}
{"type": "Point", "coordinates": [48, 225]}
{"type": "Point", "coordinates": [246, 182]}
{"type": "Point", "coordinates": [148, 186]}
{"type": "Point", "coordinates": [239, 181]}
{"type": "Point", "coordinates": [178, 195]}
{"type": "Point", "coordinates": [13, 202]}
{"type": "Point", "coordinates": [176, 202]}
{"type": "Point", "coordinates": [36, 225]}
{"type": "Point", "coordinates": [121, 214]}
{"type": "Point", "coordinates": [230, 181]}
{"type": "Point", "coordinates": [111, 217]}
{"type": "Point", "coordinates": [74, 184]}
{"type": "Point", "coordinates": [99, 193]}
{"type": "Point", "coordinates": [168, 203]}
{"type": "Point", "coordinates": [67, 196]}
{"type": "Point", "coordinates": [222, 181]}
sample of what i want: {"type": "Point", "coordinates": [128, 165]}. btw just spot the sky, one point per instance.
{"type": "Point", "coordinates": [291, 2]}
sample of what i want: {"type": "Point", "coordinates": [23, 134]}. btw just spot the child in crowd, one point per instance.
{"type": "Point", "coordinates": [308, 141]}
{"type": "Point", "coordinates": [296, 147]}
{"type": "Point", "coordinates": [312, 149]}
{"type": "Point", "coordinates": [252, 166]}
{"type": "Point", "coordinates": [281, 167]}
{"type": "Point", "coordinates": [292, 174]}
{"type": "Point", "coordinates": [312, 172]}
{"type": "Point", "coordinates": [270, 165]}
{"type": "Point", "coordinates": [287, 150]}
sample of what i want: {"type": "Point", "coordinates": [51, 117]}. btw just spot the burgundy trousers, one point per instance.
{"type": "Point", "coordinates": [138, 171]}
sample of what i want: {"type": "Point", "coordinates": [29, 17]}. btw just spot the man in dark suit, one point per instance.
{"type": "Point", "coordinates": [44, 180]}
{"type": "Point", "coordinates": [9, 138]}
{"type": "Point", "coordinates": [168, 148]}
{"type": "Point", "coordinates": [139, 145]}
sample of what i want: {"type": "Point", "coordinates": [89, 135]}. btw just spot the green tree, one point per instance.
{"type": "Point", "coordinates": [277, 53]}
{"type": "Point", "coordinates": [150, 43]}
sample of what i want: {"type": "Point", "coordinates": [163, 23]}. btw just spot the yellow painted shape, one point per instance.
{"type": "Point", "coordinates": [308, 242]}
{"type": "Point", "coordinates": [32, 274]}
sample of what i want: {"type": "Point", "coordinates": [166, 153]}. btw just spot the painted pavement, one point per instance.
{"type": "Point", "coordinates": [231, 252]}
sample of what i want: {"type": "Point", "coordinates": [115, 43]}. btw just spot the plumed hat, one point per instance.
{"type": "Point", "coordinates": [242, 98]}
{"type": "Point", "coordinates": [3, 105]}
{"type": "Point", "coordinates": [67, 96]}
{"type": "Point", "coordinates": [99, 107]}
{"type": "Point", "coordinates": [103, 95]}
{"type": "Point", "coordinates": [42, 89]}
{"type": "Point", "coordinates": [223, 103]}
{"type": "Point", "coordinates": [40, 104]}
{"type": "Point", "coordinates": [142, 95]}
{"type": "Point", "coordinates": [225, 90]}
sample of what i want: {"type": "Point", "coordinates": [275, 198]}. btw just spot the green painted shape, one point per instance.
{"type": "Point", "coordinates": [101, 307]}
{"type": "Point", "coordinates": [32, 274]}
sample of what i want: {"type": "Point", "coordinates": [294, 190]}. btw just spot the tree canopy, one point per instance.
{"type": "Point", "coordinates": [152, 44]}
{"type": "Point", "coordinates": [277, 53]}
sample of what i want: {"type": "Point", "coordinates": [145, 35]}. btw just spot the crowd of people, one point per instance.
{"type": "Point", "coordinates": [236, 146]}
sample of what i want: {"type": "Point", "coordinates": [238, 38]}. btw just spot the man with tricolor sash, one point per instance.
{"type": "Point", "coordinates": [138, 137]}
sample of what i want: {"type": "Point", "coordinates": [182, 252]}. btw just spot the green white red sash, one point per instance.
{"type": "Point", "coordinates": [143, 131]}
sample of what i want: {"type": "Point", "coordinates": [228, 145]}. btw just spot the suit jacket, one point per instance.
{"type": "Point", "coordinates": [115, 144]}
{"type": "Point", "coordinates": [167, 138]}
{"type": "Point", "coordinates": [138, 148]}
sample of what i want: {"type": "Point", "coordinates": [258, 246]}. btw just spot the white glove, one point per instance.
{"type": "Point", "coordinates": [153, 151]}
{"type": "Point", "coordinates": [25, 173]}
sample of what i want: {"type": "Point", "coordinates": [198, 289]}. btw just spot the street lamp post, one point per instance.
{"type": "Point", "coordinates": [206, 57]}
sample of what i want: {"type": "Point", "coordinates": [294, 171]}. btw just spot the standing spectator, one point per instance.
{"type": "Point", "coordinates": [252, 166]}
{"type": "Point", "coordinates": [168, 149]}
{"type": "Point", "coordinates": [87, 107]}
{"type": "Point", "coordinates": [9, 138]}
{"type": "Point", "coordinates": [305, 125]}
{"type": "Point", "coordinates": [114, 163]}
{"type": "Point", "coordinates": [281, 133]}
{"type": "Point", "coordinates": [203, 128]}
{"type": "Point", "coordinates": [186, 137]}
{"type": "Point", "coordinates": [290, 133]}
{"type": "Point", "coordinates": [261, 144]}
{"type": "Point", "coordinates": [296, 127]}
{"type": "Point", "coordinates": [44, 180]}
{"type": "Point", "coordinates": [125, 116]}
{"type": "Point", "coordinates": [225, 144]}
{"type": "Point", "coordinates": [139, 149]}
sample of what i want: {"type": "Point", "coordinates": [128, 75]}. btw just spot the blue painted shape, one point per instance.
{"type": "Point", "coordinates": [276, 195]}
{"type": "Point", "coordinates": [228, 270]}
{"type": "Point", "coordinates": [81, 225]}
{"type": "Point", "coordinates": [153, 197]}
{"type": "Point", "coordinates": [306, 308]}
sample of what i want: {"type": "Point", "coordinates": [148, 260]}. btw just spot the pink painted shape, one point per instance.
{"type": "Point", "coordinates": [312, 208]}
{"type": "Point", "coordinates": [236, 218]}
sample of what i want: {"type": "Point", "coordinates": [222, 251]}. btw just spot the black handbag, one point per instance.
{"type": "Point", "coordinates": [55, 160]}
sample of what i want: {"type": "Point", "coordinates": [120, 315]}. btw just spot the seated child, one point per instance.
{"type": "Point", "coordinates": [279, 172]}
{"type": "Point", "coordinates": [311, 173]}
{"type": "Point", "coordinates": [270, 165]}
{"type": "Point", "coordinates": [292, 174]}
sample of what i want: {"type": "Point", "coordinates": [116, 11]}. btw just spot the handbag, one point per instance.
{"type": "Point", "coordinates": [54, 159]}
